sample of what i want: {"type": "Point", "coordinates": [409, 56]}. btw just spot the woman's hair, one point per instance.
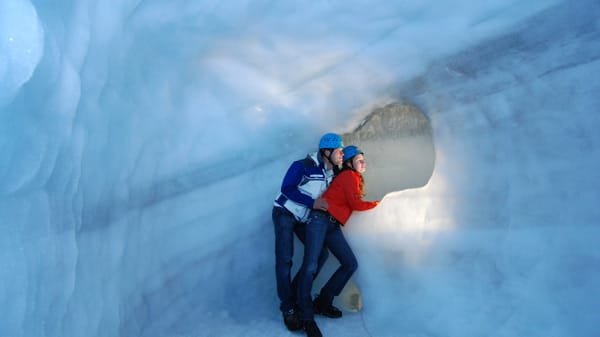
{"type": "Point", "coordinates": [347, 165]}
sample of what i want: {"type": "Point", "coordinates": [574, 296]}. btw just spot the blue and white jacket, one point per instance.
{"type": "Point", "coordinates": [304, 181]}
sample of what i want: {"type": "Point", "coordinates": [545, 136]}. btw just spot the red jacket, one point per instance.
{"type": "Point", "coordinates": [343, 196]}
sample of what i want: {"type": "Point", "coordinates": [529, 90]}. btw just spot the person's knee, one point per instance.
{"type": "Point", "coordinates": [352, 265]}
{"type": "Point", "coordinates": [311, 268]}
{"type": "Point", "coordinates": [283, 261]}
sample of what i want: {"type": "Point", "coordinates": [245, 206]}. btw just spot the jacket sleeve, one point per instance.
{"type": "Point", "coordinates": [351, 186]}
{"type": "Point", "coordinates": [289, 186]}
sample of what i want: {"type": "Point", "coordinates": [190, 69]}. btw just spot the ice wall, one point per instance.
{"type": "Point", "coordinates": [142, 142]}
{"type": "Point", "coordinates": [501, 240]}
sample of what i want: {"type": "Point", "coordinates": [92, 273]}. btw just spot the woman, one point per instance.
{"type": "Point", "coordinates": [345, 193]}
{"type": "Point", "coordinates": [343, 196]}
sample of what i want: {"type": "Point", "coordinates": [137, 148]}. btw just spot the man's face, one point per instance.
{"type": "Point", "coordinates": [337, 157]}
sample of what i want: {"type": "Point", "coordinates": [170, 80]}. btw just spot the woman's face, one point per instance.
{"type": "Point", "coordinates": [359, 163]}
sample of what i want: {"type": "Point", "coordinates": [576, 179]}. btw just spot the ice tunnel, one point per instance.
{"type": "Point", "coordinates": [142, 144]}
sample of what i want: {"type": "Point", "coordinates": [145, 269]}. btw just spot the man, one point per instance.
{"type": "Point", "coordinates": [301, 190]}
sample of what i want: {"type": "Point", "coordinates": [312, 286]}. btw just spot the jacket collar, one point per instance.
{"type": "Point", "coordinates": [316, 157]}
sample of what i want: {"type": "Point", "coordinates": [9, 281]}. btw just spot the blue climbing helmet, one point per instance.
{"type": "Point", "coordinates": [331, 141]}
{"type": "Point", "coordinates": [351, 151]}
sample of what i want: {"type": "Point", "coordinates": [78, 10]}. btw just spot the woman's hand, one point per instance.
{"type": "Point", "coordinates": [320, 204]}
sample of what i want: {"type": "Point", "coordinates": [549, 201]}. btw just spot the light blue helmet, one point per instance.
{"type": "Point", "coordinates": [351, 151]}
{"type": "Point", "coordinates": [331, 141]}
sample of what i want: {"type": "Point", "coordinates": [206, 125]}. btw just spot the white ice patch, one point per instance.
{"type": "Point", "coordinates": [21, 45]}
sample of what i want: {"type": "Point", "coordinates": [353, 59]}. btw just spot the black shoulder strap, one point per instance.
{"type": "Point", "coordinates": [308, 162]}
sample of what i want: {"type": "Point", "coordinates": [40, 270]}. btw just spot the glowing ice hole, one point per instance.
{"type": "Point", "coordinates": [398, 145]}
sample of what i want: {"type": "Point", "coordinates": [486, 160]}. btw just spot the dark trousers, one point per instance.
{"type": "Point", "coordinates": [285, 226]}
{"type": "Point", "coordinates": [322, 230]}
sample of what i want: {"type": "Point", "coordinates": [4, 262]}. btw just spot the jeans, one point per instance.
{"type": "Point", "coordinates": [322, 230]}
{"type": "Point", "coordinates": [285, 226]}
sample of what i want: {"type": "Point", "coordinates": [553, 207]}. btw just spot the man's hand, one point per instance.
{"type": "Point", "coordinates": [320, 204]}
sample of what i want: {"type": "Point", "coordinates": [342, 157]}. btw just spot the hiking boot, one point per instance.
{"type": "Point", "coordinates": [312, 330]}
{"type": "Point", "coordinates": [291, 320]}
{"type": "Point", "coordinates": [326, 309]}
